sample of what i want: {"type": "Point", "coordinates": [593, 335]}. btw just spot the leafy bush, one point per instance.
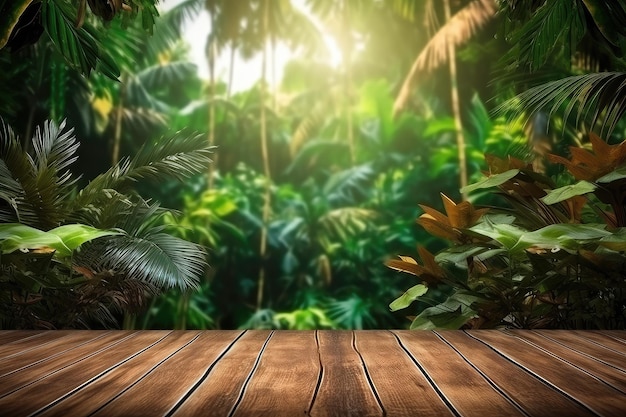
{"type": "Point", "coordinates": [70, 255]}
{"type": "Point", "coordinates": [554, 258]}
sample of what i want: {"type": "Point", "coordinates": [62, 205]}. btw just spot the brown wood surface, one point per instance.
{"type": "Point", "coordinates": [319, 373]}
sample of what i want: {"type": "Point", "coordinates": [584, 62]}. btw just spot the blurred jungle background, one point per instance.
{"type": "Point", "coordinates": [261, 164]}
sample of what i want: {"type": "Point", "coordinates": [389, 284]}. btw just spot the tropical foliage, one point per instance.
{"type": "Point", "coordinates": [68, 254]}
{"type": "Point", "coordinates": [384, 113]}
{"type": "Point", "coordinates": [552, 258]}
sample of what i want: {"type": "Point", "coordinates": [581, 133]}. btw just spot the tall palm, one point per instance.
{"type": "Point", "coordinates": [456, 30]}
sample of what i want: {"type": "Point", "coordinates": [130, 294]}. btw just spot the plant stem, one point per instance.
{"type": "Point", "coordinates": [266, 164]}
{"type": "Point", "coordinates": [456, 109]}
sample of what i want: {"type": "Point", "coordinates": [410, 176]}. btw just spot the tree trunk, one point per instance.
{"type": "Point", "coordinates": [212, 54]}
{"type": "Point", "coordinates": [346, 44]}
{"type": "Point", "coordinates": [266, 163]}
{"type": "Point", "coordinates": [117, 136]}
{"type": "Point", "coordinates": [456, 109]}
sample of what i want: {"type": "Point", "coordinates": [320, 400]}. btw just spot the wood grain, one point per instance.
{"type": "Point", "coordinates": [283, 383]}
{"type": "Point", "coordinates": [574, 382]}
{"type": "Point", "coordinates": [530, 393]}
{"type": "Point", "coordinates": [408, 392]}
{"type": "Point", "coordinates": [320, 373]}
{"type": "Point", "coordinates": [79, 366]}
{"type": "Point", "coordinates": [469, 392]}
{"type": "Point", "coordinates": [224, 385]}
{"type": "Point", "coordinates": [157, 393]}
{"type": "Point", "coordinates": [344, 389]}
{"type": "Point", "coordinates": [91, 397]}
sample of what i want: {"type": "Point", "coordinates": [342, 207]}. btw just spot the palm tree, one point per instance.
{"type": "Point", "coordinates": [457, 30]}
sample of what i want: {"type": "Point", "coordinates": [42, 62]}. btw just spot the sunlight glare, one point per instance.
{"type": "Point", "coordinates": [334, 53]}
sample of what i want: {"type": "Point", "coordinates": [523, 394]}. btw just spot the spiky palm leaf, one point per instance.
{"type": "Point", "coordinates": [36, 187]}
{"type": "Point", "coordinates": [458, 30]}
{"type": "Point", "coordinates": [177, 156]}
{"type": "Point", "coordinates": [143, 252]}
{"type": "Point", "coordinates": [598, 98]}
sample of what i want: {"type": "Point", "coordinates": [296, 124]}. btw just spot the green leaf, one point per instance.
{"type": "Point", "coordinates": [506, 234]}
{"type": "Point", "coordinates": [562, 236]}
{"type": "Point", "coordinates": [15, 236]}
{"type": "Point", "coordinates": [74, 235]}
{"type": "Point", "coordinates": [408, 297]}
{"type": "Point", "coordinates": [491, 181]}
{"type": "Point", "coordinates": [569, 191]}
{"type": "Point", "coordinates": [618, 174]}
{"type": "Point", "coordinates": [451, 314]}
{"type": "Point", "coordinates": [439, 126]}
{"type": "Point", "coordinates": [77, 46]}
{"type": "Point", "coordinates": [63, 239]}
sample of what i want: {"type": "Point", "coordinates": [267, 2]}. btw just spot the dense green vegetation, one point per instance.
{"type": "Point", "coordinates": [497, 124]}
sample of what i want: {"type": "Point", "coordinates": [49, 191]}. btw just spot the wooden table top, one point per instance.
{"type": "Point", "coordinates": [321, 373]}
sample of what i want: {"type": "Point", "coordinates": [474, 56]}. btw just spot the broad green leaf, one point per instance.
{"type": "Point", "coordinates": [63, 239]}
{"type": "Point", "coordinates": [408, 297]}
{"type": "Point", "coordinates": [74, 235]}
{"type": "Point", "coordinates": [562, 236]}
{"type": "Point", "coordinates": [458, 254]}
{"type": "Point", "coordinates": [438, 126]}
{"type": "Point", "coordinates": [491, 181]}
{"type": "Point", "coordinates": [618, 174]}
{"type": "Point", "coordinates": [506, 234]}
{"type": "Point", "coordinates": [15, 236]}
{"type": "Point", "coordinates": [569, 191]}
{"type": "Point", "coordinates": [451, 314]}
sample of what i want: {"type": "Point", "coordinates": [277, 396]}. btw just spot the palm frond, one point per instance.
{"type": "Point", "coordinates": [345, 185]}
{"type": "Point", "coordinates": [458, 30]}
{"type": "Point", "coordinates": [170, 25]}
{"type": "Point", "coordinates": [156, 76]}
{"type": "Point", "coordinates": [177, 156]}
{"type": "Point", "coordinates": [143, 252]}
{"type": "Point", "coordinates": [159, 258]}
{"type": "Point", "coordinates": [554, 24]}
{"type": "Point", "coordinates": [598, 98]}
{"type": "Point", "coordinates": [37, 186]}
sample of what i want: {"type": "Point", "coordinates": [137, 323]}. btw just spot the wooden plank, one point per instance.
{"type": "Point", "coordinates": [23, 371]}
{"type": "Point", "coordinates": [38, 392]}
{"type": "Point", "coordinates": [9, 336]}
{"type": "Point", "coordinates": [595, 395]}
{"type": "Point", "coordinates": [530, 393]}
{"type": "Point", "coordinates": [601, 339]}
{"type": "Point", "coordinates": [220, 391]}
{"type": "Point", "coordinates": [30, 341]}
{"type": "Point", "coordinates": [587, 347]}
{"type": "Point", "coordinates": [465, 389]}
{"type": "Point", "coordinates": [94, 394]}
{"type": "Point", "coordinates": [32, 354]}
{"type": "Point", "coordinates": [616, 334]}
{"type": "Point", "coordinates": [285, 379]}
{"type": "Point", "coordinates": [344, 389]}
{"type": "Point", "coordinates": [401, 386]}
{"type": "Point", "coordinates": [608, 374]}
{"type": "Point", "coordinates": [160, 391]}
